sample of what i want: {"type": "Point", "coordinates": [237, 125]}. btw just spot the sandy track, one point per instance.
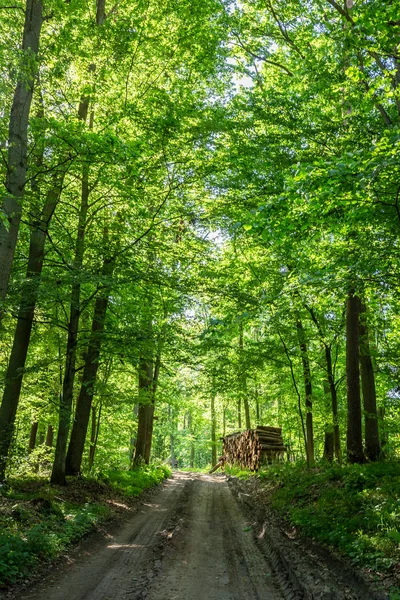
{"type": "Point", "coordinates": [216, 558]}
{"type": "Point", "coordinates": [190, 543]}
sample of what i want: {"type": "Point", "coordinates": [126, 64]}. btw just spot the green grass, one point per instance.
{"type": "Point", "coordinates": [355, 508]}
{"type": "Point", "coordinates": [133, 483]}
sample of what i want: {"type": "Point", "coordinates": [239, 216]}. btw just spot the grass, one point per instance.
{"type": "Point", "coordinates": [355, 508]}
{"type": "Point", "coordinates": [133, 483]}
{"type": "Point", "coordinates": [38, 522]}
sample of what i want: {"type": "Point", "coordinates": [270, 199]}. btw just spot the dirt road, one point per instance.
{"type": "Point", "coordinates": [190, 543]}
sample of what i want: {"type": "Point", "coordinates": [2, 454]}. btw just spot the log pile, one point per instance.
{"type": "Point", "coordinates": [248, 449]}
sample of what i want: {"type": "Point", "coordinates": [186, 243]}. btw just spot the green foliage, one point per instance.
{"type": "Point", "coordinates": [38, 522]}
{"type": "Point", "coordinates": [235, 471]}
{"type": "Point", "coordinates": [133, 483]}
{"type": "Point", "coordinates": [28, 536]}
{"type": "Point", "coordinates": [355, 508]}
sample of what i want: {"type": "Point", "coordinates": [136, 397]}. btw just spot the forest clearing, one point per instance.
{"type": "Point", "coordinates": [199, 270]}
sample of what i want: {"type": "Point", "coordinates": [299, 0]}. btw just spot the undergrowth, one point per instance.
{"type": "Point", "coordinates": [355, 508]}
{"type": "Point", "coordinates": [133, 483]}
{"type": "Point", "coordinates": [38, 522]}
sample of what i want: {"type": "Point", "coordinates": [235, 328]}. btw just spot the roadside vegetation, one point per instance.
{"type": "Point", "coordinates": [39, 522]}
{"type": "Point", "coordinates": [354, 509]}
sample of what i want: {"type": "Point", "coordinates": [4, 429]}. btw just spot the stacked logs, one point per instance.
{"type": "Point", "coordinates": [248, 449]}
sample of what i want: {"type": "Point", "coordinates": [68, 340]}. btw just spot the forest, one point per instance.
{"type": "Point", "coordinates": [199, 232]}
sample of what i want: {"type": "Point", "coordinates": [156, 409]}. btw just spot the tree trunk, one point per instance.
{"type": "Point", "coordinates": [384, 433]}
{"type": "Point", "coordinates": [146, 411]}
{"type": "Point", "coordinates": [329, 445]}
{"type": "Point", "coordinates": [332, 388]}
{"type": "Point", "coordinates": [19, 351]}
{"type": "Point", "coordinates": [243, 379]}
{"type": "Point", "coordinates": [172, 436]}
{"type": "Point", "coordinates": [17, 159]}
{"type": "Point", "coordinates": [84, 403]}
{"type": "Point", "coordinates": [190, 426]}
{"type": "Point", "coordinates": [49, 436]}
{"type": "Point", "coordinates": [32, 437]}
{"type": "Point", "coordinates": [257, 399]}
{"type": "Point", "coordinates": [372, 443]}
{"type": "Point", "coordinates": [94, 435]}
{"type": "Point", "coordinates": [308, 393]}
{"type": "Point", "coordinates": [354, 430]}
{"type": "Point", "coordinates": [213, 432]}
{"type": "Point", "coordinates": [58, 472]}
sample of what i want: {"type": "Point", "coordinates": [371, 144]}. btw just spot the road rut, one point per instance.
{"type": "Point", "coordinates": [190, 543]}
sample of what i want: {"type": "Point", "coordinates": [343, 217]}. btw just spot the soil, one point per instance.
{"type": "Point", "coordinates": [199, 537]}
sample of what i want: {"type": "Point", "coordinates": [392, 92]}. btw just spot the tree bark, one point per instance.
{"type": "Point", "coordinates": [190, 426]}
{"type": "Point", "coordinates": [372, 443]}
{"type": "Point", "coordinates": [354, 430]}
{"type": "Point", "coordinates": [331, 383]}
{"type": "Point", "coordinates": [58, 472]}
{"type": "Point", "coordinates": [32, 437]}
{"type": "Point", "coordinates": [257, 399]}
{"type": "Point", "coordinates": [17, 159]}
{"type": "Point", "coordinates": [94, 435]}
{"type": "Point", "coordinates": [243, 378]}
{"type": "Point", "coordinates": [328, 446]}
{"type": "Point", "coordinates": [19, 351]}
{"type": "Point", "coordinates": [85, 398]}
{"type": "Point", "coordinates": [333, 392]}
{"type": "Point", "coordinates": [213, 431]}
{"type": "Point", "coordinates": [146, 411]}
{"type": "Point", "coordinates": [308, 393]}
{"type": "Point", "coordinates": [49, 436]}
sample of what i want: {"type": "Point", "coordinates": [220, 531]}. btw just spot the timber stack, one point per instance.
{"type": "Point", "coordinates": [248, 449]}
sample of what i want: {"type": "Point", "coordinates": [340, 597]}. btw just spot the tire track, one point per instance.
{"type": "Point", "coordinates": [123, 568]}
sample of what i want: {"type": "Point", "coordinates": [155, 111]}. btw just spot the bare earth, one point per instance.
{"type": "Point", "coordinates": [190, 543]}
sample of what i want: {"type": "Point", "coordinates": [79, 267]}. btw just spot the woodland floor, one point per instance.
{"type": "Point", "coordinates": [200, 537]}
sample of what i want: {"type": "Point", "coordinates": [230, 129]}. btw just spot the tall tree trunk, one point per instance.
{"type": "Point", "coordinates": [17, 159]}
{"type": "Point", "coordinates": [94, 435]}
{"type": "Point", "coordinates": [58, 472]}
{"type": "Point", "coordinates": [85, 398]}
{"type": "Point", "coordinates": [257, 400]}
{"type": "Point", "coordinates": [239, 412]}
{"type": "Point", "coordinates": [146, 411]}
{"type": "Point", "coordinates": [243, 378]}
{"type": "Point", "coordinates": [328, 433]}
{"type": "Point", "coordinates": [384, 432]}
{"type": "Point", "coordinates": [19, 351]}
{"type": "Point", "coordinates": [328, 445]}
{"type": "Point", "coordinates": [171, 415]}
{"type": "Point", "coordinates": [190, 426]}
{"type": "Point", "coordinates": [49, 436]}
{"type": "Point", "coordinates": [333, 392]}
{"type": "Point", "coordinates": [308, 393]}
{"type": "Point", "coordinates": [372, 443]}
{"type": "Point", "coordinates": [213, 431]}
{"type": "Point", "coordinates": [32, 436]}
{"type": "Point", "coordinates": [331, 382]}
{"type": "Point", "coordinates": [354, 430]}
